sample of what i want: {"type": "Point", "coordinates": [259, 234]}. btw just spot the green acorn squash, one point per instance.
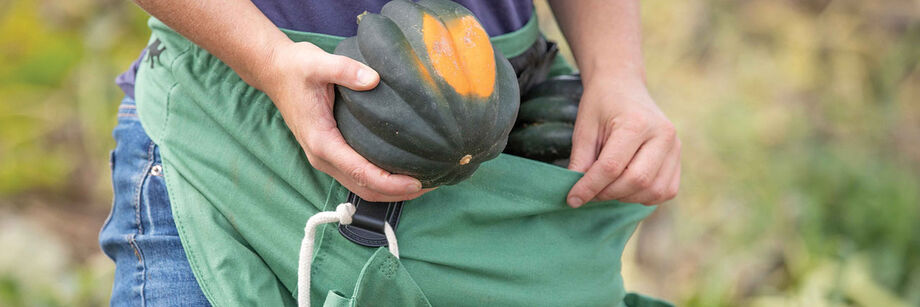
{"type": "Point", "coordinates": [546, 121]}
{"type": "Point", "coordinates": [548, 109]}
{"type": "Point", "coordinates": [446, 99]}
{"type": "Point", "coordinates": [546, 142]}
{"type": "Point", "coordinates": [565, 85]}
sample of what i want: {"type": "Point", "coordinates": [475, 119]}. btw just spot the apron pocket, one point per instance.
{"type": "Point", "coordinates": [383, 282]}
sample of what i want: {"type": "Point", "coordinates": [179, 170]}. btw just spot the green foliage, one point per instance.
{"type": "Point", "coordinates": [870, 208]}
{"type": "Point", "coordinates": [57, 101]}
{"type": "Point", "coordinates": [57, 107]}
{"type": "Point", "coordinates": [800, 129]}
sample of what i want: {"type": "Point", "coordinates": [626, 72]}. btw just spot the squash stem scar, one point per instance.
{"type": "Point", "coordinates": [466, 159]}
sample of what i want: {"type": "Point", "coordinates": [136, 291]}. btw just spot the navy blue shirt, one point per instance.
{"type": "Point", "coordinates": [338, 17]}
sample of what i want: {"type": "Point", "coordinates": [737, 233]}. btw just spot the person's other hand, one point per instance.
{"type": "Point", "coordinates": [627, 148]}
{"type": "Point", "coordinates": [300, 80]}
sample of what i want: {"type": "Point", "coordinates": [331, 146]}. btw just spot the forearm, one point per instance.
{"type": "Point", "coordinates": [235, 31]}
{"type": "Point", "coordinates": [605, 37]}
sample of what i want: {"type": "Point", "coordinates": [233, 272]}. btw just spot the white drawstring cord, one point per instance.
{"type": "Point", "coordinates": [391, 239]}
{"type": "Point", "coordinates": [342, 214]}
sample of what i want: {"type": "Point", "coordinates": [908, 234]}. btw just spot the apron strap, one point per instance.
{"type": "Point", "coordinates": [368, 226]}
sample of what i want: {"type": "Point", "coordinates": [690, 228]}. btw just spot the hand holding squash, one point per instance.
{"type": "Point", "coordinates": [300, 82]}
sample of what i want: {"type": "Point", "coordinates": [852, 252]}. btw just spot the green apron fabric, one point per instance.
{"type": "Point", "coordinates": [382, 276]}
{"type": "Point", "coordinates": [242, 189]}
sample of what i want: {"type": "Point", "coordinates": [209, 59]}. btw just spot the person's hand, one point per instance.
{"type": "Point", "coordinates": [627, 148]}
{"type": "Point", "coordinates": [300, 78]}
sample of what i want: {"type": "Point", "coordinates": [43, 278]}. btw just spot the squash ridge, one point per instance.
{"type": "Point", "coordinates": [392, 153]}
{"type": "Point", "coordinates": [460, 108]}
{"type": "Point", "coordinates": [368, 117]}
{"type": "Point", "coordinates": [481, 116]}
{"type": "Point", "coordinates": [371, 114]}
{"type": "Point", "coordinates": [395, 114]}
{"type": "Point", "coordinates": [448, 118]}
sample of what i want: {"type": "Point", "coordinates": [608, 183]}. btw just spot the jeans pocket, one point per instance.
{"type": "Point", "coordinates": [157, 218]}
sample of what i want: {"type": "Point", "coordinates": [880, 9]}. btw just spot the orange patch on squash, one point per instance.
{"type": "Point", "coordinates": [460, 52]}
{"type": "Point", "coordinates": [426, 76]}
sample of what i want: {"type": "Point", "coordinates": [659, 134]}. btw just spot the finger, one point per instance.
{"type": "Point", "coordinates": [369, 195]}
{"type": "Point", "coordinates": [345, 71]}
{"type": "Point", "coordinates": [660, 191]}
{"type": "Point", "coordinates": [584, 145]}
{"type": "Point", "coordinates": [674, 184]}
{"type": "Point", "coordinates": [642, 172]}
{"type": "Point", "coordinates": [420, 193]}
{"type": "Point", "coordinates": [361, 190]}
{"type": "Point", "coordinates": [351, 168]}
{"type": "Point", "coordinates": [618, 151]}
{"type": "Point", "coordinates": [674, 187]}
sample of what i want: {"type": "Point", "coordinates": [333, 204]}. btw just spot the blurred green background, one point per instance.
{"type": "Point", "coordinates": [800, 122]}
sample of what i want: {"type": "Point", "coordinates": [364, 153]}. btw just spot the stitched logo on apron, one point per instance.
{"type": "Point", "coordinates": [154, 52]}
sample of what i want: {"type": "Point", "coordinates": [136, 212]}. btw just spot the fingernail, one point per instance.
{"type": "Point", "coordinates": [415, 187]}
{"type": "Point", "coordinates": [575, 202]}
{"type": "Point", "coordinates": [365, 76]}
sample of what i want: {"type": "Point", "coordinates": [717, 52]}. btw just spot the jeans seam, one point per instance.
{"type": "Point", "coordinates": [139, 188]}
{"type": "Point", "coordinates": [148, 203]}
{"type": "Point", "coordinates": [143, 267]}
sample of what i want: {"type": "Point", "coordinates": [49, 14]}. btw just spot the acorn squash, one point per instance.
{"type": "Point", "coordinates": [446, 100]}
{"type": "Point", "coordinates": [546, 121]}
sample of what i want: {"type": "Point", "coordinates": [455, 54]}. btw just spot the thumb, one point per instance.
{"type": "Point", "coordinates": [345, 71]}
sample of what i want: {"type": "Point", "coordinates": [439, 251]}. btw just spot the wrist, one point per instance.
{"type": "Point", "coordinates": [628, 74]}
{"type": "Point", "coordinates": [264, 65]}
{"type": "Point", "coordinates": [613, 79]}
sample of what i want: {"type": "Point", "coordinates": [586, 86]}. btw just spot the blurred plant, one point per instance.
{"type": "Point", "coordinates": [57, 105]}
{"type": "Point", "coordinates": [57, 63]}
{"type": "Point", "coordinates": [800, 125]}
{"type": "Point", "coordinates": [835, 283]}
{"type": "Point", "coordinates": [36, 269]}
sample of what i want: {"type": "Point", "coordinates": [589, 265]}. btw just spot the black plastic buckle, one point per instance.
{"type": "Point", "coordinates": [366, 226]}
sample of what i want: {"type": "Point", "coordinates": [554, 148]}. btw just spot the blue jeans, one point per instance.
{"type": "Point", "coordinates": [151, 268]}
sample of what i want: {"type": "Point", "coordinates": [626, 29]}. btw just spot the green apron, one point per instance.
{"type": "Point", "coordinates": [241, 190]}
